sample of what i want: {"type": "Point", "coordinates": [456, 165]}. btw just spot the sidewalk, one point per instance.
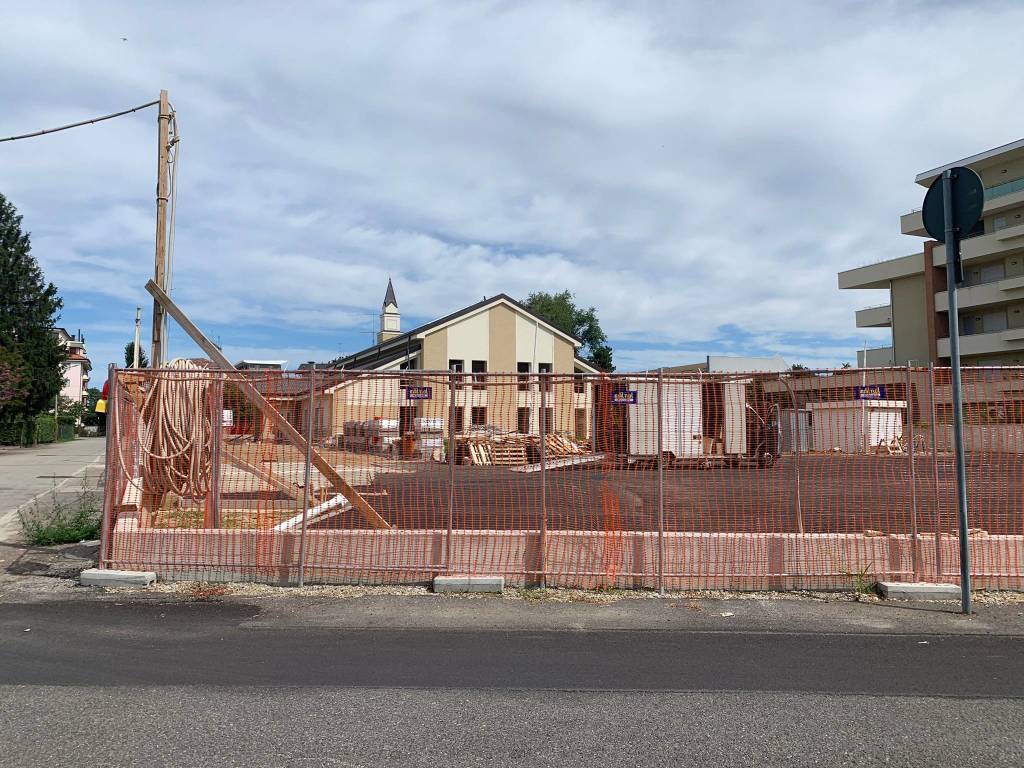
{"type": "Point", "coordinates": [27, 474]}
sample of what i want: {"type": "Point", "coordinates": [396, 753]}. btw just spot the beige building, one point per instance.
{"type": "Point", "coordinates": [991, 299]}
{"type": "Point", "coordinates": [495, 336]}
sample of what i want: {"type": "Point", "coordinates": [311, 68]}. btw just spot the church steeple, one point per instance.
{"type": "Point", "coordinates": [390, 318]}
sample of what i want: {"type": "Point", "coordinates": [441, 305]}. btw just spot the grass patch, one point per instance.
{"type": "Point", "coordinates": [64, 523]}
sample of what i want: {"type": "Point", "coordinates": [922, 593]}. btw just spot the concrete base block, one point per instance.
{"type": "Point", "coordinates": [103, 577]}
{"type": "Point", "coordinates": [918, 590]}
{"type": "Point", "coordinates": [469, 583]}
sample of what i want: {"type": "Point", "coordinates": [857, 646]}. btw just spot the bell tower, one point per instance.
{"type": "Point", "coordinates": [390, 318]}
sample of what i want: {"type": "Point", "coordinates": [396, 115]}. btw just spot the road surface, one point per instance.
{"type": "Point", "coordinates": [154, 683]}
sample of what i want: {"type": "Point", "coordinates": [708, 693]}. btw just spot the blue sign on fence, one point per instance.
{"type": "Point", "coordinates": [870, 392]}
{"type": "Point", "coordinates": [624, 397]}
{"type": "Point", "coordinates": [419, 393]}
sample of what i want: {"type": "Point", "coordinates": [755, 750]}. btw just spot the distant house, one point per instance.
{"type": "Point", "coordinates": [76, 368]}
{"type": "Point", "coordinates": [260, 365]}
{"type": "Point", "coordinates": [732, 364]}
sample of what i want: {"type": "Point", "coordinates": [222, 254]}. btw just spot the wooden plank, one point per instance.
{"type": "Point", "coordinates": [283, 425]}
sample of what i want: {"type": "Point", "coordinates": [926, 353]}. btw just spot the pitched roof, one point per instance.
{"type": "Point", "coordinates": [395, 347]}
{"type": "Point", "coordinates": [389, 296]}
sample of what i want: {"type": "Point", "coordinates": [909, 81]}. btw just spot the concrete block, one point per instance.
{"type": "Point", "coordinates": [103, 577]}
{"type": "Point", "coordinates": [918, 590]}
{"type": "Point", "coordinates": [469, 583]}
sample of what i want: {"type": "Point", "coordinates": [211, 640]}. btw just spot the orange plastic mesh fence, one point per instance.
{"type": "Point", "coordinates": [807, 479]}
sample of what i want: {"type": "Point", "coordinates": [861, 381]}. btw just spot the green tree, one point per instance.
{"type": "Point", "coordinates": [90, 418]}
{"type": "Point", "coordinates": [29, 309]}
{"type": "Point", "coordinates": [129, 356]}
{"type": "Point", "coordinates": [561, 311]}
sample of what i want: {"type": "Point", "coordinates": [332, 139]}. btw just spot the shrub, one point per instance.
{"type": "Point", "coordinates": [14, 433]}
{"type": "Point", "coordinates": [64, 524]}
{"type": "Point", "coordinates": [46, 428]}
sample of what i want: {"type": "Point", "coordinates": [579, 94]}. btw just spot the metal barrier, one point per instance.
{"type": "Point", "coordinates": [807, 479]}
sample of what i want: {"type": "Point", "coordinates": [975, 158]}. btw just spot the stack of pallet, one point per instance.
{"type": "Point", "coordinates": [514, 449]}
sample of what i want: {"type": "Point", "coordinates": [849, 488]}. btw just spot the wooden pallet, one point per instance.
{"type": "Point", "coordinates": [508, 454]}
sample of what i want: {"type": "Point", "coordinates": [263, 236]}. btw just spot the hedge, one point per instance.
{"type": "Point", "coordinates": [46, 428]}
{"type": "Point", "coordinates": [15, 433]}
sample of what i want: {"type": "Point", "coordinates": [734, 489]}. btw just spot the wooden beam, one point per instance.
{"type": "Point", "coordinates": [267, 477]}
{"type": "Point", "coordinates": [283, 425]}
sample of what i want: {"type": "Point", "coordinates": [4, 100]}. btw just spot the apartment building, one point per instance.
{"type": "Point", "coordinates": [495, 336]}
{"type": "Point", "coordinates": [77, 367]}
{"type": "Point", "coordinates": [991, 298]}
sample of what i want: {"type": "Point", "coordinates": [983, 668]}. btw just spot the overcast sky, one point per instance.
{"type": "Point", "coordinates": [698, 172]}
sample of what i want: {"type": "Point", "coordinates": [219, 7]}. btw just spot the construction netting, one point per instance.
{"type": "Point", "coordinates": [803, 479]}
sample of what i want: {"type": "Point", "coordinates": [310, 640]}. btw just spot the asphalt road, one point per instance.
{"type": "Point", "coordinates": [155, 683]}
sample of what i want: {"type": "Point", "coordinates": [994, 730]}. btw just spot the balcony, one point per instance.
{"type": "Point", "coordinates": [875, 317]}
{"type": "Point", "coordinates": [875, 357]}
{"type": "Point", "coordinates": [878, 275]}
{"type": "Point", "coordinates": [998, 198]}
{"type": "Point", "coordinates": [997, 292]}
{"type": "Point", "coordinates": [1002, 242]}
{"type": "Point", "coordinates": [997, 342]}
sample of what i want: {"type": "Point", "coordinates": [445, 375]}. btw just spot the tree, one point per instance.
{"type": "Point", "coordinates": [129, 356]}
{"type": "Point", "coordinates": [29, 309]}
{"type": "Point", "coordinates": [561, 311]}
{"type": "Point", "coordinates": [90, 418]}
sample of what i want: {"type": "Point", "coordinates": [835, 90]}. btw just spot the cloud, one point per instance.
{"type": "Point", "coordinates": [697, 172]}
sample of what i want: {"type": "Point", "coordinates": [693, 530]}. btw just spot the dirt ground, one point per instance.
{"type": "Point", "coordinates": [838, 494]}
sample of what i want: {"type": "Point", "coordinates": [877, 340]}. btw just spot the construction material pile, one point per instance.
{"type": "Point", "coordinates": [512, 449]}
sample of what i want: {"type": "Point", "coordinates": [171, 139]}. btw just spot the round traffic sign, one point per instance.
{"type": "Point", "coordinates": [968, 195]}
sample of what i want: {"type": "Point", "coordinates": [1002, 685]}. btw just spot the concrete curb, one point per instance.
{"type": "Point", "coordinates": [469, 583]}
{"type": "Point", "coordinates": [919, 590]}
{"type": "Point", "coordinates": [103, 577]}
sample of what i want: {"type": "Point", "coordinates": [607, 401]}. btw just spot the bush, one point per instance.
{"type": "Point", "coordinates": [64, 524]}
{"type": "Point", "coordinates": [46, 428]}
{"type": "Point", "coordinates": [14, 433]}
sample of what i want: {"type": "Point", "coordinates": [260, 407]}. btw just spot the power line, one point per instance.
{"type": "Point", "coordinates": [83, 122]}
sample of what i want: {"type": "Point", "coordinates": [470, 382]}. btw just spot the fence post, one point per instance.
{"type": "Point", "coordinates": [543, 478]}
{"type": "Point", "coordinates": [216, 441]}
{"type": "Point", "coordinates": [935, 474]}
{"type": "Point", "coordinates": [451, 472]}
{"type": "Point", "coordinates": [661, 488]}
{"type": "Point", "coordinates": [915, 552]}
{"type": "Point", "coordinates": [308, 474]}
{"type": "Point", "coordinates": [109, 483]}
{"type": "Point", "coordinates": [796, 449]}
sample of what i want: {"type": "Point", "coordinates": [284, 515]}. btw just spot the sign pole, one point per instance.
{"type": "Point", "coordinates": [952, 261]}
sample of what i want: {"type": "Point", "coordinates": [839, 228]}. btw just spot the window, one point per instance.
{"type": "Point", "coordinates": [545, 383]}
{"type": "Point", "coordinates": [549, 418]}
{"type": "Point", "coordinates": [479, 415]}
{"type": "Point", "coordinates": [479, 367]}
{"type": "Point", "coordinates": [581, 423]}
{"type": "Point", "coordinates": [579, 384]}
{"type": "Point", "coordinates": [407, 381]}
{"type": "Point", "coordinates": [458, 420]}
{"type": "Point", "coordinates": [523, 421]}
{"type": "Point", "coordinates": [457, 366]}
{"type": "Point", "coordinates": [523, 369]}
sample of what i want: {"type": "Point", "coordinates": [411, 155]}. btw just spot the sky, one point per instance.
{"type": "Point", "coordinates": [697, 172]}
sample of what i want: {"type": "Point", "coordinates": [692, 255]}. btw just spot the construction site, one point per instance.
{"type": "Point", "coordinates": [681, 481]}
{"type": "Point", "coordinates": [369, 470]}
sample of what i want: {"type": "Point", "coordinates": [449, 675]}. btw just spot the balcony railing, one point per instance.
{"type": "Point", "coordinates": [1004, 189]}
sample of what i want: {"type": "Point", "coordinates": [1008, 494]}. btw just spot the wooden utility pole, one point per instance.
{"type": "Point", "coordinates": [156, 355]}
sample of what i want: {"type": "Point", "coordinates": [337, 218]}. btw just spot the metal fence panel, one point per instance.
{"type": "Point", "coordinates": [648, 480]}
